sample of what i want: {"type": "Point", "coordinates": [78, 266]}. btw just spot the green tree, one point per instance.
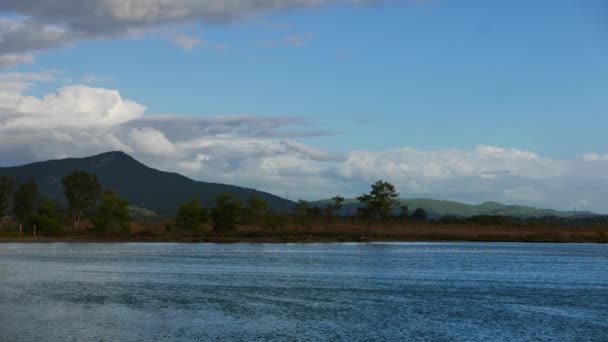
{"type": "Point", "coordinates": [46, 219]}
{"type": "Point", "coordinates": [82, 191]}
{"type": "Point", "coordinates": [191, 215]}
{"type": "Point", "coordinates": [7, 186]}
{"type": "Point", "coordinates": [25, 202]}
{"type": "Point", "coordinates": [226, 213]}
{"type": "Point", "coordinates": [112, 215]}
{"type": "Point", "coordinates": [378, 204]}
{"type": "Point", "coordinates": [257, 212]}
{"type": "Point", "coordinates": [419, 215]}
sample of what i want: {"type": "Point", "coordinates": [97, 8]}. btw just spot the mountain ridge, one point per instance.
{"type": "Point", "coordinates": [440, 208]}
{"type": "Point", "coordinates": [143, 186]}
{"type": "Point", "coordinates": [163, 192]}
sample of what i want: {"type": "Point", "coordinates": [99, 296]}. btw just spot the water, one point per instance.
{"type": "Point", "coordinates": [397, 291]}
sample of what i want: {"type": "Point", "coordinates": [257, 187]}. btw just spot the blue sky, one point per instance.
{"type": "Point", "coordinates": [433, 76]}
{"type": "Point", "coordinates": [437, 75]}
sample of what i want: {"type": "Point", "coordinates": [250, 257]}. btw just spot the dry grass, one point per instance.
{"type": "Point", "coordinates": [349, 230]}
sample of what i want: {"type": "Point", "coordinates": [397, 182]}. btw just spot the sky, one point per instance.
{"type": "Point", "coordinates": [460, 100]}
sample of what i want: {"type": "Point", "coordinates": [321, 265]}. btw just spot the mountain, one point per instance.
{"type": "Point", "coordinates": [438, 208]}
{"type": "Point", "coordinates": [162, 192]}
{"type": "Point", "coordinates": [144, 187]}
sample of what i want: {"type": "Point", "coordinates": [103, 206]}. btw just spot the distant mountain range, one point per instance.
{"type": "Point", "coordinates": [148, 189]}
{"type": "Point", "coordinates": [144, 187]}
{"type": "Point", "coordinates": [437, 208]}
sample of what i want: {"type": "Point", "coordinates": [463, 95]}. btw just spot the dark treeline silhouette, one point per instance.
{"type": "Point", "coordinates": [106, 211]}
{"type": "Point", "coordinates": [93, 211]}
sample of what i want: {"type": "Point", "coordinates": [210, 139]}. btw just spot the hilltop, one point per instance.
{"type": "Point", "coordinates": [144, 187]}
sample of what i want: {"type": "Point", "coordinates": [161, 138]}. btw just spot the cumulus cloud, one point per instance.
{"type": "Point", "coordinates": [152, 141]}
{"type": "Point", "coordinates": [268, 152]}
{"type": "Point", "coordinates": [75, 106]}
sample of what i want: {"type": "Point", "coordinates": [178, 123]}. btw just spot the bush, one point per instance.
{"type": "Point", "coordinates": [46, 219]}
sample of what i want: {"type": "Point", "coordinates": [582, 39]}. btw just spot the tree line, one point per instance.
{"type": "Point", "coordinates": [108, 213]}
{"type": "Point", "coordinates": [229, 212]}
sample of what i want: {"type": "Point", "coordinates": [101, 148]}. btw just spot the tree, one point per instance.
{"type": "Point", "coordinates": [46, 219]}
{"type": "Point", "coordinates": [112, 214]}
{"type": "Point", "coordinates": [226, 213]}
{"type": "Point", "coordinates": [25, 202]}
{"type": "Point", "coordinates": [82, 191]}
{"type": "Point", "coordinates": [419, 215]}
{"type": "Point", "coordinates": [302, 213]}
{"type": "Point", "coordinates": [191, 215]}
{"type": "Point", "coordinates": [333, 207]}
{"type": "Point", "coordinates": [7, 186]}
{"type": "Point", "coordinates": [404, 212]}
{"type": "Point", "coordinates": [380, 201]}
{"type": "Point", "coordinates": [257, 212]}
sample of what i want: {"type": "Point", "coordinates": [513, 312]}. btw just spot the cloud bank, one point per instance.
{"type": "Point", "coordinates": [268, 152]}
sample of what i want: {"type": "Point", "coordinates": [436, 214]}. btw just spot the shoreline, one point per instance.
{"type": "Point", "coordinates": [262, 240]}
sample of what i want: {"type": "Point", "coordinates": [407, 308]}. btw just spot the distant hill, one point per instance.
{"type": "Point", "coordinates": [438, 208]}
{"type": "Point", "coordinates": [144, 187]}
{"type": "Point", "coordinates": [148, 189]}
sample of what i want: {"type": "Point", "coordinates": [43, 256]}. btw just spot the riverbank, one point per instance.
{"type": "Point", "coordinates": [295, 239]}
{"type": "Point", "coordinates": [338, 231]}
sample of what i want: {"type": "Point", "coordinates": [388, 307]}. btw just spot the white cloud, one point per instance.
{"type": "Point", "coordinates": [266, 152]}
{"type": "Point", "coordinates": [76, 106]}
{"type": "Point", "coordinates": [309, 152]}
{"type": "Point", "coordinates": [152, 141]}
{"type": "Point", "coordinates": [15, 83]}
{"type": "Point", "coordinates": [594, 157]}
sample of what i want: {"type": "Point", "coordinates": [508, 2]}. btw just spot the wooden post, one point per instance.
{"type": "Point", "coordinates": [19, 229]}
{"type": "Point", "coordinates": [34, 230]}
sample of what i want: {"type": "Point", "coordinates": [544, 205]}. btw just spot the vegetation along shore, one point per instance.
{"type": "Point", "coordinates": [97, 215]}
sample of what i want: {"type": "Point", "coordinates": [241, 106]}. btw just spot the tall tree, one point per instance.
{"type": "Point", "coordinates": [257, 212]}
{"type": "Point", "coordinates": [25, 202]}
{"type": "Point", "coordinates": [333, 207]}
{"type": "Point", "coordinates": [226, 213]}
{"type": "Point", "coordinates": [379, 203]}
{"type": "Point", "coordinates": [191, 215]}
{"type": "Point", "coordinates": [302, 213]}
{"type": "Point", "coordinates": [404, 212]}
{"type": "Point", "coordinates": [112, 214]}
{"type": "Point", "coordinates": [7, 186]}
{"type": "Point", "coordinates": [82, 191]}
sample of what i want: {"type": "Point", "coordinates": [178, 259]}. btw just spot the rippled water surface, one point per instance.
{"type": "Point", "coordinates": [397, 291]}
